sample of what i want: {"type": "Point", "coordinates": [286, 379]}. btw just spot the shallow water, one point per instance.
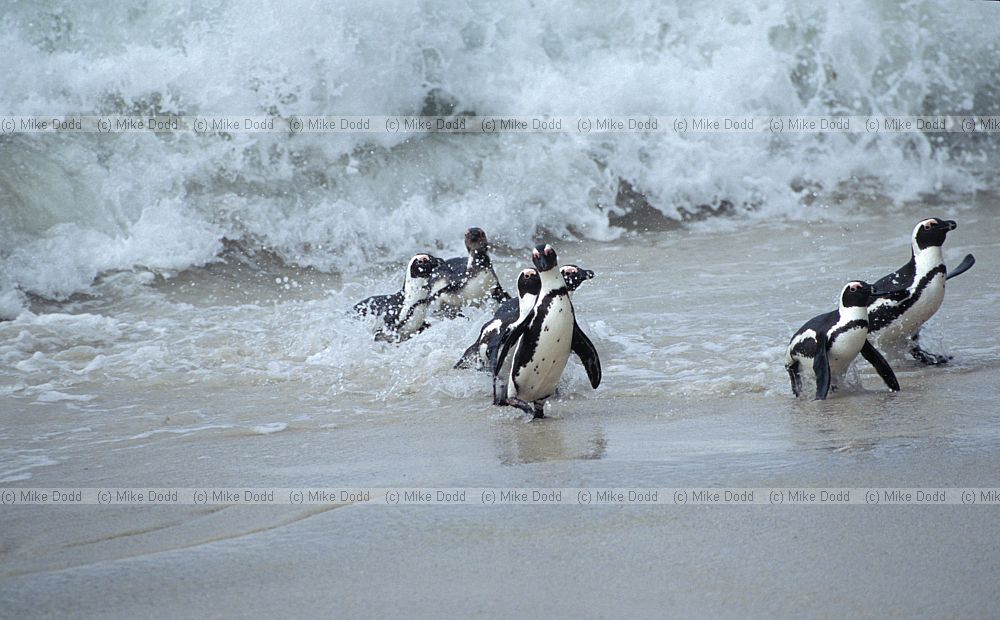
{"type": "Point", "coordinates": [679, 317]}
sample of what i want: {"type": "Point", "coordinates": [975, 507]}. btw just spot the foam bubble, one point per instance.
{"type": "Point", "coordinates": [79, 206]}
{"type": "Point", "coordinates": [269, 428]}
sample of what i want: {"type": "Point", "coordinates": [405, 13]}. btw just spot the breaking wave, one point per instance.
{"type": "Point", "coordinates": [74, 206]}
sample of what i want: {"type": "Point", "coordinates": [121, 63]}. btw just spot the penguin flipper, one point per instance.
{"type": "Point", "coordinates": [964, 266]}
{"type": "Point", "coordinates": [821, 366]}
{"type": "Point", "coordinates": [795, 378]}
{"type": "Point", "coordinates": [470, 354]}
{"type": "Point", "coordinates": [498, 294]}
{"type": "Point", "coordinates": [585, 350]}
{"type": "Point", "coordinates": [510, 336]}
{"type": "Point", "coordinates": [896, 282]}
{"type": "Point", "coordinates": [492, 351]}
{"type": "Point", "coordinates": [871, 354]}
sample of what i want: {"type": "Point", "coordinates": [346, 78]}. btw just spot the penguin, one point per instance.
{"type": "Point", "coordinates": [403, 314]}
{"type": "Point", "coordinates": [468, 280]}
{"type": "Point", "coordinates": [830, 342]}
{"type": "Point", "coordinates": [898, 318]}
{"type": "Point", "coordinates": [487, 344]}
{"type": "Point", "coordinates": [542, 342]}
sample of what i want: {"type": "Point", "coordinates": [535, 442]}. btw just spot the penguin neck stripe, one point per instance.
{"type": "Point", "coordinates": [855, 324]}
{"type": "Point", "coordinates": [555, 292]}
{"type": "Point", "coordinates": [403, 318]}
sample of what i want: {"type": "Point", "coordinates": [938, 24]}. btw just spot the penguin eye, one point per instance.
{"type": "Point", "coordinates": [929, 223]}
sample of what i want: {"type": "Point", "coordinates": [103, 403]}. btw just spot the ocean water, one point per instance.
{"type": "Point", "coordinates": [164, 260]}
{"type": "Point", "coordinates": [79, 206]}
{"type": "Point", "coordinates": [137, 264]}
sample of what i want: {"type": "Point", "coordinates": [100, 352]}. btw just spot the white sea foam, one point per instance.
{"type": "Point", "coordinates": [53, 396]}
{"type": "Point", "coordinates": [269, 428]}
{"type": "Point", "coordinates": [76, 206]}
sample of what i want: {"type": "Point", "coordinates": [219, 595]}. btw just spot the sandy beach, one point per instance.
{"type": "Point", "coordinates": [678, 409]}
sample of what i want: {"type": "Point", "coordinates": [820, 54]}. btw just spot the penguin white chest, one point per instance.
{"type": "Point", "coordinates": [477, 287]}
{"type": "Point", "coordinates": [845, 348]}
{"type": "Point", "coordinates": [473, 291]}
{"type": "Point", "coordinates": [540, 364]}
{"type": "Point", "coordinates": [926, 305]}
{"type": "Point", "coordinates": [411, 321]}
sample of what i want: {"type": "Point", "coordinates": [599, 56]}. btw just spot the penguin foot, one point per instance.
{"type": "Point", "coordinates": [537, 410]}
{"type": "Point", "coordinates": [929, 358]}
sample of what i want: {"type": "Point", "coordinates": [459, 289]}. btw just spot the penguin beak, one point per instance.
{"type": "Point", "coordinates": [945, 225]}
{"type": "Point", "coordinates": [875, 293]}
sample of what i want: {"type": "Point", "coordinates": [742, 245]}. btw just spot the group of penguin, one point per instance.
{"type": "Point", "coordinates": [538, 329]}
{"type": "Point", "coordinates": [895, 308]}
{"type": "Point", "coordinates": [539, 326]}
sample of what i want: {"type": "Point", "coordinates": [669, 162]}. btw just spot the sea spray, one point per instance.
{"type": "Point", "coordinates": [74, 206]}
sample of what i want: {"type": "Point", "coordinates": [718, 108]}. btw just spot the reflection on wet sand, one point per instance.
{"type": "Point", "coordinates": [539, 441]}
{"type": "Point", "coordinates": [859, 420]}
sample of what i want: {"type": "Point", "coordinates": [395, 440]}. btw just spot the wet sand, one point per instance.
{"type": "Point", "coordinates": [561, 560]}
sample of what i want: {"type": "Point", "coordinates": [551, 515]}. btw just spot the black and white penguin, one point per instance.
{"type": "Point", "coordinates": [403, 314]}
{"type": "Point", "coordinates": [468, 280]}
{"type": "Point", "coordinates": [542, 342]}
{"type": "Point", "coordinates": [486, 346]}
{"type": "Point", "coordinates": [830, 342]}
{"type": "Point", "coordinates": [509, 312]}
{"type": "Point", "coordinates": [897, 319]}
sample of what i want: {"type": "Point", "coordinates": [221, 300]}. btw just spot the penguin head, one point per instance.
{"type": "Point", "coordinates": [475, 240]}
{"type": "Point", "coordinates": [422, 266]}
{"type": "Point", "coordinates": [857, 294]}
{"type": "Point", "coordinates": [931, 233]}
{"type": "Point", "coordinates": [544, 257]}
{"type": "Point", "coordinates": [860, 294]}
{"type": "Point", "coordinates": [528, 283]}
{"type": "Point", "coordinates": [575, 276]}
